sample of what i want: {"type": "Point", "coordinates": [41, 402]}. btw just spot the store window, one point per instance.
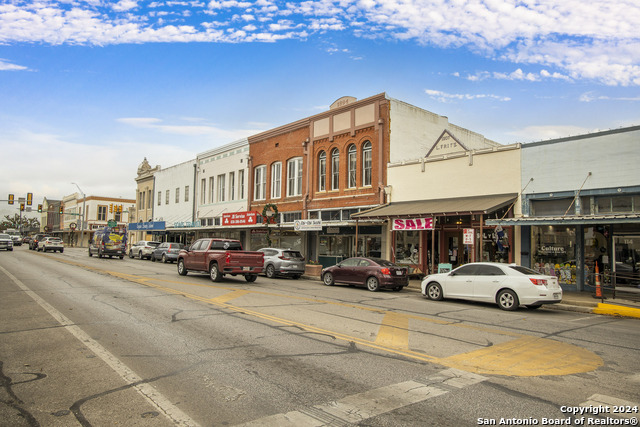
{"type": "Point", "coordinates": [407, 249]}
{"type": "Point", "coordinates": [553, 249]}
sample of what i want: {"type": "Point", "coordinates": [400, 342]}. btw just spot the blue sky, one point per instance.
{"type": "Point", "coordinates": [90, 88]}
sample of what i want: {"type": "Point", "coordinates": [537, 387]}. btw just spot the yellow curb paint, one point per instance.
{"type": "Point", "coordinates": [394, 331]}
{"type": "Point", "coordinates": [617, 310]}
{"type": "Point", "coordinates": [526, 356]}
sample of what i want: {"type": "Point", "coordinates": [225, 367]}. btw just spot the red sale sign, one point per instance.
{"type": "Point", "coordinates": [412, 224]}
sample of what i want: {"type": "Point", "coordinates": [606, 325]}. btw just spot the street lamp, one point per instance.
{"type": "Point", "coordinates": [84, 212]}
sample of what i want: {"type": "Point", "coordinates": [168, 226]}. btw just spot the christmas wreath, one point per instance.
{"type": "Point", "coordinates": [272, 209]}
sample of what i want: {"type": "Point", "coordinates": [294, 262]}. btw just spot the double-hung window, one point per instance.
{"type": "Point", "coordinates": [352, 165]}
{"type": "Point", "coordinates": [276, 180]}
{"type": "Point", "coordinates": [260, 183]}
{"type": "Point", "coordinates": [221, 190]}
{"type": "Point", "coordinates": [322, 171]}
{"type": "Point", "coordinates": [294, 177]}
{"type": "Point", "coordinates": [366, 163]}
{"type": "Point", "coordinates": [335, 169]}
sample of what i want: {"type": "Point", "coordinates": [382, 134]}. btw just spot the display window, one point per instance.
{"type": "Point", "coordinates": [554, 252]}
{"type": "Point", "coordinates": [407, 247]}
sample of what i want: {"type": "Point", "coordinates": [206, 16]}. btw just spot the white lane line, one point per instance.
{"type": "Point", "coordinates": [152, 395]}
{"type": "Point", "coordinates": [611, 406]}
{"type": "Point", "coordinates": [361, 406]}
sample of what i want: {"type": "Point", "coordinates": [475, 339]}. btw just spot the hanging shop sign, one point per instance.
{"type": "Point", "coordinates": [398, 224]}
{"type": "Point", "coordinates": [307, 225]}
{"type": "Point", "coordinates": [240, 218]}
{"type": "Point", "coordinates": [468, 236]}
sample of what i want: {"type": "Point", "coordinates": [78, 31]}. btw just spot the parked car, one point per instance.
{"type": "Point", "coordinates": [374, 273]}
{"type": "Point", "coordinates": [167, 251]}
{"type": "Point", "coordinates": [219, 257]}
{"type": "Point", "coordinates": [508, 285]}
{"type": "Point", "coordinates": [6, 242]}
{"type": "Point", "coordinates": [282, 262]}
{"type": "Point", "coordinates": [143, 249]}
{"type": "Point", "coordinates": [51, 244]}
{"type": "Point", "coordinates": [108, 242]}
{"type": "Point", "coordinates": [33, 244]}
{"type": "Point", "coordinates": [26, 240]}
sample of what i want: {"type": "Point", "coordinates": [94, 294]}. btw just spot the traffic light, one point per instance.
{"type": "Point", "coordinates": [21, 207]}
{"type": "Point", "coordinates": [40, 208]}
{"type": "Point", "coordinates": [11, 199]}
{"type": "Point", "coordinates": [61, 209]}
{"type": "Point", "coordinates": [29, 199]}
{"type": "Point", "coordinates": [120, 209]}
{"type": "Point", "coordinates": [111, 207]}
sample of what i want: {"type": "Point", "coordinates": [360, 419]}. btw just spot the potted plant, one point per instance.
{"type": "Point", "coordinates": [313, 268]}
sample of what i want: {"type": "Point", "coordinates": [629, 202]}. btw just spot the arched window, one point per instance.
{"type": "Point", "coordinates": [322, 171]}
{"type": "Point", "coordinates": [366, 163]}
{"type": "Point", "coordinates": [335, 169]}
{"type": "Point", "coordinates": [352, 165]}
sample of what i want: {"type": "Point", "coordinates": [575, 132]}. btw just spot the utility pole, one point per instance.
{"type": "Point", "coordinates": [84, 213]}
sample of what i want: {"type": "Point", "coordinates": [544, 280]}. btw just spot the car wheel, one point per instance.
{"type": "Point", "coordinates": [295, 276]}
{"type": "Point", "coordinates": [214, 272]}
{"type": "Point", "coordinates": [61, 250]}
{"type": "Point", "coordinates": [270, 271]}
{"type": "Point", "coordinates": [327, 279]}
{"type": "Point", "coordinates": [434, 291]}
{"type": "Point", "coordinates": [508, 300]}
{"type": "Point", "coordinates": [182, 270]}
{"type": "Point", "coordinates": [534, 306]}
{"type": "Point", "coordinates": [373, 284]}
{"type": "Point", "coordinates": [250, 277]}
{"type": "Point", "coordinates": [90, 254]}
{"type": "Point", "coordinates": [139, 254]}
{"type": "Point", "coordinates": [130, 253]}
{"type": "Point", "coordinates": [164, 258]}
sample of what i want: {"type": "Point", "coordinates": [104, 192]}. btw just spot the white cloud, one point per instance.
{"type": "Point", "coordinates": [190, 129]}
{"type": "Point", "coordinates": [450, 97]}
{"type": "Point", "coordinates": [8, 66]}
{"type": "Point", "coordinates": [596, 40]}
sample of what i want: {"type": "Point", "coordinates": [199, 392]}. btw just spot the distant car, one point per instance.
{"type": "Point", "coordinates": [167, 252]}
{"type": "Point", "coordinates": [6, 242]}
{"type": "Point", "coordinates": [33, 243]}
{"type": "Point", "coordinates": [143, 249]}
{"type": "Point", "coordinates": [374, 273]}
{"type": "Point", "coordinates": [51, 244]}
{"type": "Point", "coordinates": [26, 240]}
{"type": "Point", "coordinates": [508, 285]}
{"type": "Point", "coordinates": [17, 239]}
{"type": "Point", "coordinates": [282, 262]}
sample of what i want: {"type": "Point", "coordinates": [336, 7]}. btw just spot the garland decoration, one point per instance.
{"type": "Point", "coordinates": [270, 219]}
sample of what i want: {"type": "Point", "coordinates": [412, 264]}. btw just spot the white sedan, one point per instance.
{"type": "Point", "coordinates": [508, 285]}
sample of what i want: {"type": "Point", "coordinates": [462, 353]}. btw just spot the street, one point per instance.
{"type": "Point", "coordinates": [102, 342]}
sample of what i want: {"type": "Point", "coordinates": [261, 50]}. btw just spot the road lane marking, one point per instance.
{"type": "Point", "coordinates": [230, 296]}
{"type": "Point", "coordinates": [394, 331]}
{"type": "Point", "coordinates": [153, 396]}
{"type": "Point", "coordinates": [362, 406]}
{"type": "Point", "coordinates": [523, 356]}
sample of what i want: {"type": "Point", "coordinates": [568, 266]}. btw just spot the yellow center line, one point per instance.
{"type": "Point", "coordinates": [524, 356]}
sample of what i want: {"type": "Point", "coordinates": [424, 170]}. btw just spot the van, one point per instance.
{"type": "Point", "coordinates": [108, 242]}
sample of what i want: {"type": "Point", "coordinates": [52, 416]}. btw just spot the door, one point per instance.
{"type": "Point", "coordinates": [488, 279]}
{"type": "Point", "coordinates": [459, 283]}
{"type": "Point", "coordinates": [345, 271]}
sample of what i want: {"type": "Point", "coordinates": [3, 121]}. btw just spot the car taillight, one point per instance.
{"type": "Point", "coordinates": [538, 282]}
{"type": "Point", "coordinates": [228, 258]}
{"type": "Point", "coordinates": [385, 270]}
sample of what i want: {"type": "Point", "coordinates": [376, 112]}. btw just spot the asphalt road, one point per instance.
{"type": "Point", "coordinates": [103, 342]}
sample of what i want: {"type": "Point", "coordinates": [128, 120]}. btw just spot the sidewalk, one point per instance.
{"type": "Point", "coordinates": [583, 302]}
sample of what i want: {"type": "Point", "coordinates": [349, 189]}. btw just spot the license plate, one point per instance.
{"type": "Point", "coordinates": [399, 273]}
{"type": "Point", "coordinates": [246, 268]}
{"type": "Point", "coordinates": [556, 296]}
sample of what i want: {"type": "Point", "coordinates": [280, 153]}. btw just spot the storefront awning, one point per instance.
{"type": "Point", "coordinates": [474, 205]}
{"type": "Point", "coordinates": [568, 220]}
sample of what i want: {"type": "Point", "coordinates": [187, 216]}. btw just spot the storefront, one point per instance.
{"type": "Point", "coordinates": [572, 247]}
{"type": "Point", "coordinates": [428, 234]}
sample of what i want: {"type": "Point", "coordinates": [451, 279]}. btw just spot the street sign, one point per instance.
{"type": "Point", "coordinates": [112, 223]}
{"type": "Point", "coordinates": [468, 236]}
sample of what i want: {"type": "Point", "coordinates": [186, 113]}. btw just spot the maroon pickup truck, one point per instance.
{"type": "Point", "coordinates": [219, 257]}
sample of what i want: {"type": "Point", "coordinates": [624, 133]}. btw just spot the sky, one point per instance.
{"type": "Point", "coordinates": [88, 89]}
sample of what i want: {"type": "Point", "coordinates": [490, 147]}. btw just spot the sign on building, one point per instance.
{"type": "Point", "coordinates": [412, 224]}
{"type": "Point", "coordinates": [240, 218]}
{"type": "Point", "coordinates": [307, 225]}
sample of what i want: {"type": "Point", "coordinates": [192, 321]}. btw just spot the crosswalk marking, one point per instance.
{"type": "Point", "coordinates": [362, 406]}
{"type": "Point", "coordinates": [600, 400]}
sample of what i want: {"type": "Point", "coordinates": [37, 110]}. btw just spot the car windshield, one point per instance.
{"type": "Point", "coordinates": [526, 271]}
{"type": "Point", "coordinates": [54, 239]}
{"type": "Point", "coordinates": [292, 254]}
{"type": "Point", "coordinates": [154, 244]}
{"type": "Point", "coordinates": [4, 236]}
